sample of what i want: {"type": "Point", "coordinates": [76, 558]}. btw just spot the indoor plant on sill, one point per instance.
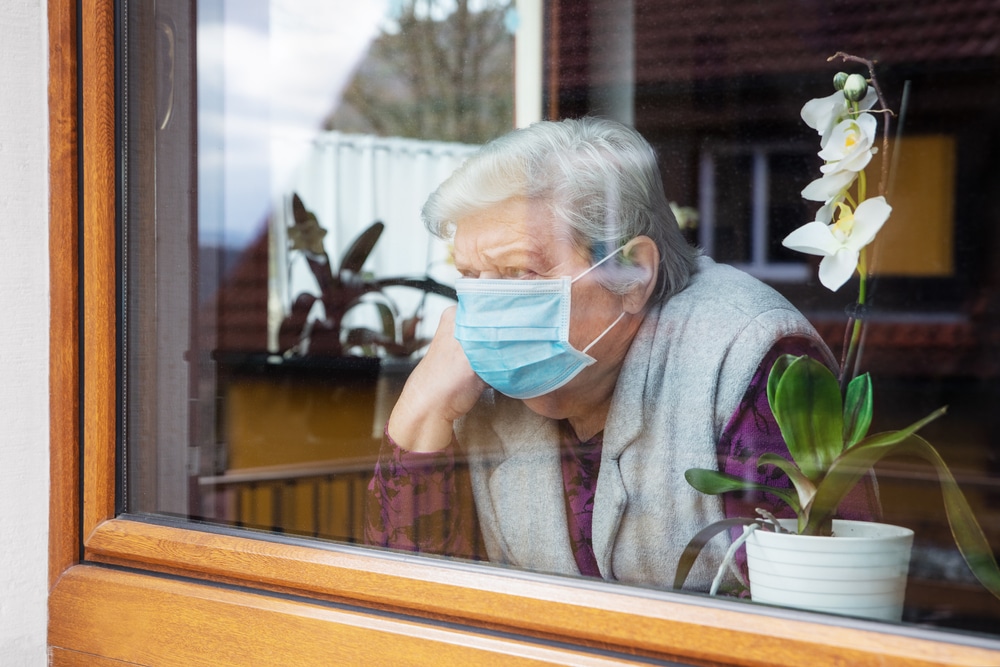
{"type": "Point", "coordinates": [315, 392]}
{"type": "Point", "coordinates": [342, 289]}
{"type": "Point", "coordinates": [814, 561]}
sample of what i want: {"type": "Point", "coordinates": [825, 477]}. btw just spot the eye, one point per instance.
{"type": "Point", "coordinates": [517, 273]}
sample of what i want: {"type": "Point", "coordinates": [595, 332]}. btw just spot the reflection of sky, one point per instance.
{"type": "Point", "coordinates": [267, 70]}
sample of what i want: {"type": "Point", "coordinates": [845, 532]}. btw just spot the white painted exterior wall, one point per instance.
{"type": "Point", "coordinates": [24, 329]}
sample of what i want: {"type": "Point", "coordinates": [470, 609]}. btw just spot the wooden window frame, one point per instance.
{"type": "Point", "coordinates": [124, 590]}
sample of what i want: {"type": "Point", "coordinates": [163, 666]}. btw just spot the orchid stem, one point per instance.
{"type": "Point", "coordinates": [850, 358]}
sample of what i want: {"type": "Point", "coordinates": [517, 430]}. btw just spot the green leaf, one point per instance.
{"type": "Point", "coordinates": [698, 542]}
{"type": "Point", "coordinates": [806, 403]}
{"type": "Point", "coordinates": [969, 537]}
{"type": "Point", "coordinates": [851, 466]}
{"type": "Point", "coordinates": [781, 364]}
{"type": "Point", "coordinates": [857, 410]}
{"type": "Point", "coordinates": [428, 285]}
{"type": "Point", "coordinates": [803, 485]}
{"type": "Point", "coordinates": [714, 482]}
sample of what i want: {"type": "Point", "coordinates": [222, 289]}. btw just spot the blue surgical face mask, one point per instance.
{"type": "Point", "coordinates": [515, 333]}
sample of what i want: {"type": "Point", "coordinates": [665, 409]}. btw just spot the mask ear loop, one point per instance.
{"type": "Point", "coordinates": [594, 266]}
{"type": "Point", "coordinates": [620, 315]}
{"type": "Point", "coordinates": [610, 327]}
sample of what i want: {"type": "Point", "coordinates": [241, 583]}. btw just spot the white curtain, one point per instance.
{"type": "Point", "coordinates": [349, 182]}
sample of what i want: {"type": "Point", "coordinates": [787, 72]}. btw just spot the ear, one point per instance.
{"type": "Point", "coordinates": [643, 256]}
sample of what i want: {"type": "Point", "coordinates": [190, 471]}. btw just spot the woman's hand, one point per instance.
{"type": "Point", "coordinates": [442, 388]}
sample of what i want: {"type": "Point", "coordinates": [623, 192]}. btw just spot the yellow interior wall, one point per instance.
{"type": "Point", "coordinates": [274, 423]}
{"type": "Point", "coordinates": [918, 239]}
{"type": "Point", "coordinates": [288, 422]}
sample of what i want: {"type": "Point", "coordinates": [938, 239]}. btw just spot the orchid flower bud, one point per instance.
{"type": "Point", "coordinates": [839, 79]}
{"type": "Point", "coordinates": [855, 88]}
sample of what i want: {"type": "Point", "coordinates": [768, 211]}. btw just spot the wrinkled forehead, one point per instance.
{"type": "Point", "coordinates": [535, 216]}
{"type": "Point", "coordinates": [517, 232]}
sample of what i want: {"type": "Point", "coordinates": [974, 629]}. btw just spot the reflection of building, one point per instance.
{"type": "Point", "coordinates": [711, 87]}
{"type": "Point", "coordinates": [295, 434]}
{"type": "Point", "coordinates": [719, 95]}
{"type": "Point", "coordinates": [718, 87]}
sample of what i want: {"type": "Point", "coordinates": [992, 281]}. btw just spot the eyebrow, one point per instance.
{"type": "Point", "coordinates": [514, 254]}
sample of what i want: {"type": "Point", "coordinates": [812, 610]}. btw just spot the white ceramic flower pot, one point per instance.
{"type": "Point", "coordinates": [860, 571]}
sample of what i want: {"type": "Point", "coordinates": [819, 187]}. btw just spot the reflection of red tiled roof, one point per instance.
{"type": "Point", "coordinates": [921, 347]}
{"type": "Point", "coordinates": [240, 305]}
{"type": "Point", "coordinates": [680, 40]}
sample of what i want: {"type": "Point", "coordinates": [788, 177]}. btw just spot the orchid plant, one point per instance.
{"type": "Point", "coordinates": [824, 420]}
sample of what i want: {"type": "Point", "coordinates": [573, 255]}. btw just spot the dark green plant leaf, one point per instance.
{"type": "Point", "coordinates": [804, 487]}
{"type": "Point", "coordinates": [781, 364]}
{"type": "Point", "coordinates": [357, 254]}
{"type": "Point", "coordinates": [428, 285]}
{"type": "Point", "coordinates": [851, 466]}
{"type": "Point", "coordinates": [697, 544]}
{"type": "Point", "coordinates": [969, 537]}
{"type": "Point", "coordinates": [714, 482]}
{"type": "Point", "coordinates": [857, 410]}
{"type": "Point", "coordinates": [807, 405]}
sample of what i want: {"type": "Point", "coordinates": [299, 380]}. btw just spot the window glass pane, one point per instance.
{"type": "Point", "coordinates": [280, 288]}
{"type": "Point", "coordinates": [734, 212]}
{"type": "Point", "coordinates": [788, 173]}
{"type": "Point", "coordinates": [270, 320]}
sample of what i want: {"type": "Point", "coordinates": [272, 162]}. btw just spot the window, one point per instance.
{"type": "Point", "coordinates": [309, 598]}
{"type": "Point", "coordinates": [749, 201]}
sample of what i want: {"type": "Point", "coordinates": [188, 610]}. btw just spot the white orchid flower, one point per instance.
{"type": "Point", "coordinates": [840, 243]}
{"type": "Point", "coordinates": [824, 113]}
{"type": "Point", "coordinates": [829, 188]}
{"type": "Point", "coordinates": [849, 147]}
{"type": "Point", "coordinates": [825, 212]}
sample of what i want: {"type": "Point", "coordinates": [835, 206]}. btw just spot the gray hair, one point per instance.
{"type": "Point", "coordinates": [598, 176]}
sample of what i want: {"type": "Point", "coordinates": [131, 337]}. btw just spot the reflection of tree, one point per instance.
{"type": "Point", "coordinates": [447, 78]}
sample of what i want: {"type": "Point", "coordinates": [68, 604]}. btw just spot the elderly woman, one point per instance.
{"type": "Point", "coordinates": [593, 358]}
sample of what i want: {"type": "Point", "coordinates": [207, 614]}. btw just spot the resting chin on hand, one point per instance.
{"type": "Point", "coordinates": [442, 388]}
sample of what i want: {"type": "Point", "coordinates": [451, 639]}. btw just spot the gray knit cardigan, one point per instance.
{"type": "Point", "coordinates": [683, 377]}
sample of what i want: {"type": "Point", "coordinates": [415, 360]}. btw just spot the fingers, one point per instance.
{"type": "Point", "coordinates": [442, 388]}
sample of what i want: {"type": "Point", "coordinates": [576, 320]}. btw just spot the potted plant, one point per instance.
{"type": "Point", "coordinates": [341, 291]}
{"type": "Point", "coordinates": [319, 395]}
{"type": "Point", "coordinates": [814, 561]}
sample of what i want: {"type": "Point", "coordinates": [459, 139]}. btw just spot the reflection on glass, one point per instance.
{"type": "Point", "coordinates": [280, 286]}
{"type": "Point", "coordinates": [319, 129]}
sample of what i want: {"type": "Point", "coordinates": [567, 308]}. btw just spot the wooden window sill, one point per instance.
{"type": "Point", "coordinates": [477, 599]}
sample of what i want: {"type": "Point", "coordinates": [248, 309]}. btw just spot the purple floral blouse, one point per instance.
{"type": "Point", "coordinates": [423, 501]}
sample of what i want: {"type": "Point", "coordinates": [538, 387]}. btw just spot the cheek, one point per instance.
{"type": "Point", "coordinates": [590, 313]}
